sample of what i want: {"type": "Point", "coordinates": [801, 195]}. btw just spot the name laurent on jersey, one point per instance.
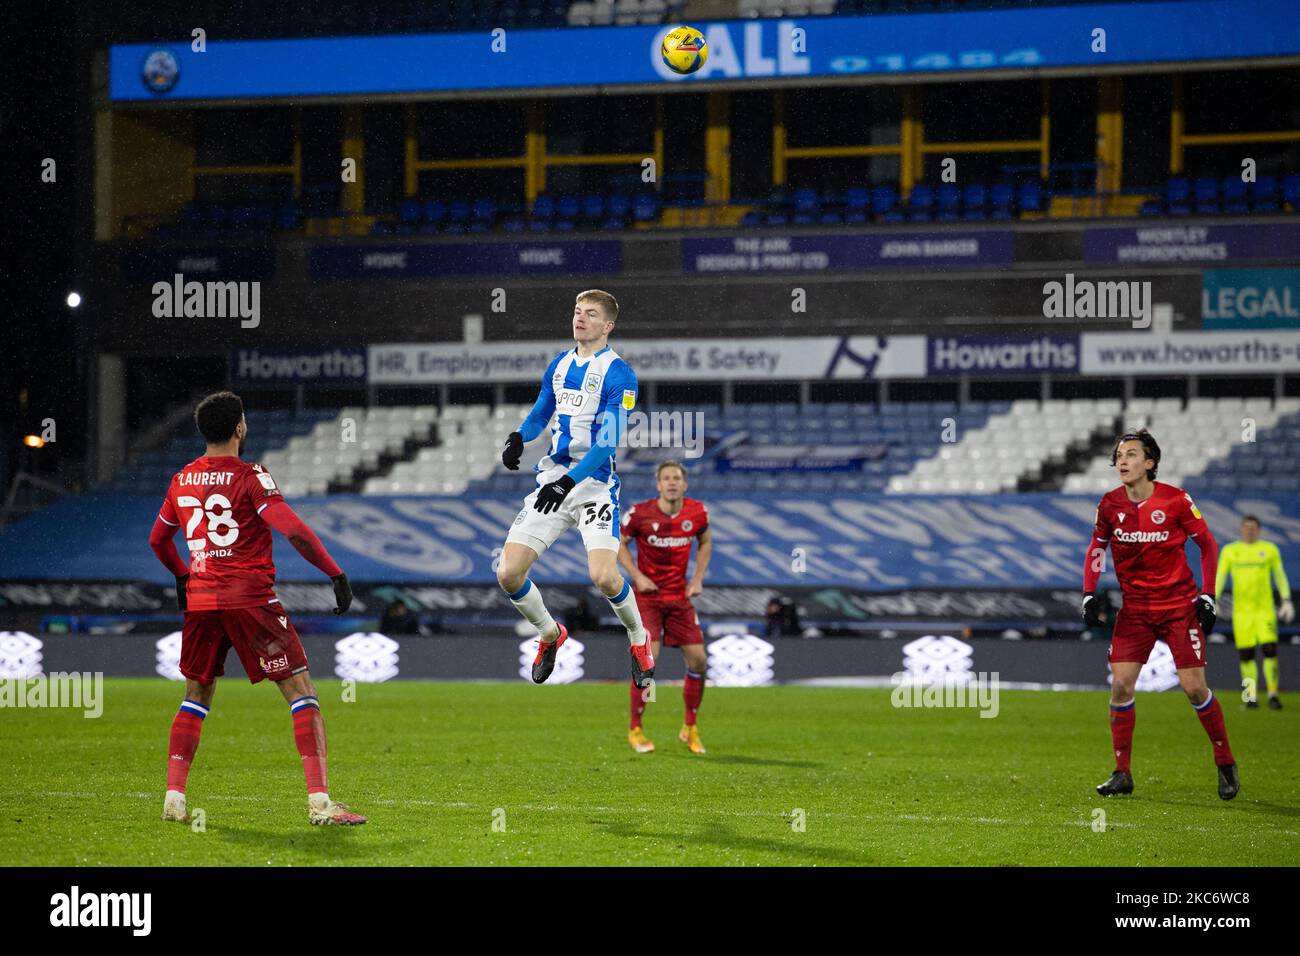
{"type": "Point", "coordinates": [205, 478]}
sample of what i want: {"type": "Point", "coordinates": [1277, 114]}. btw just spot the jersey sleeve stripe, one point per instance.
{"type": "Point", "coordinates": [174, 524]}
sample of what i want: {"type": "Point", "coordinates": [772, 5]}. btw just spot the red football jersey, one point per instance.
{"type": "Point", "coordinates": [1147, 540]}
{"type": "Point", "coordinates": [218, 503]}
{"type": "Point", "coordinates": [663, 541]}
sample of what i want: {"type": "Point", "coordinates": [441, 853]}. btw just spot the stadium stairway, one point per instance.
{"type": "Point", "coordinates": [1026, 446]}
{"type": "Point", "coordinates": [1206, 443]}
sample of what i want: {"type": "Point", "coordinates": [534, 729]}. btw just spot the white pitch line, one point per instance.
{"type": "Point", "coordinates": [774, 814]}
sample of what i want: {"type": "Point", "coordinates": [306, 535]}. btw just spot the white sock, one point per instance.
{"type": "Point", "coordinates": [528, 600]}
{"type": "Point", "coordinates": [624, 605]}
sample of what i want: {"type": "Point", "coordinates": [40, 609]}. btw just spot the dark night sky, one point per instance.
{"type": "Point", "coordinates": [38, 111]}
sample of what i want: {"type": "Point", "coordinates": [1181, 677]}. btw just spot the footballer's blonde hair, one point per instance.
{"type": "Point", "coordinates": [670, 463]}
{"type": "Point", "coordinates": [606, 301]}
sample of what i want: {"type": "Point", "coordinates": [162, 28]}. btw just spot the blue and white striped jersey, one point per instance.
{"type": "Point", "coordinates": [582, 395]}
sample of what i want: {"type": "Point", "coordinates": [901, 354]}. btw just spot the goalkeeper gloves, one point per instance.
{"type": "Point", "coordinates": [180, 591]}
{"type": "Point", "coordinates": [342, 593]}
{"type": "Point", "coordinates": [1091, 610]}
{"type": "Point", "coordinates": [512, 451]}
{"type": "Point", "coordinates": [1207, 612]}
{"type": "Point", "coordinates": [550, 496]}
{"type": "Point", "coordinates": [1287, 611]}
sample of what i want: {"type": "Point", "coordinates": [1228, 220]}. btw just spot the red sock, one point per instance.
{"type": "Point", "coordinates": [1211, 715]}
{"type": "Point", "coordinates": [1122, 719]}
{"type": "Point", "coordinates": [309, 735]}
{"type": "Point", "coordinates": [638, 705]}
{"type": "Point", "coordinates": [692, 694]}
{"type": "Point", "coordinates": [187, 725]}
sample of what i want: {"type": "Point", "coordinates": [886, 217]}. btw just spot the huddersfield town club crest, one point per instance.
{"type": "Point", "coordinates": [593, 382]}
{"type": "Point", "coordinates": [160, 71]}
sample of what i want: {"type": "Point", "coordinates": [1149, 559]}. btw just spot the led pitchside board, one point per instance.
{"type": "Point", "coordinates": [739, 50]}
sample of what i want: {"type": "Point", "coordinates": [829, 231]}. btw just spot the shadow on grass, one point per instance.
{"type": "Point", "coordinates": [796, 848]}
{"type": "Point", "coordinates": [328, 844]}
{"type": "Point", "coordinates": [1241, 802]}
{"type": "Point", "coordinates": [745, 760]}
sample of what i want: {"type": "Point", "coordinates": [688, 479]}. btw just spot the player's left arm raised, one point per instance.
{"type": "Point", "coordinates": [702, 558]}
{"type": "Point", "coordinates": [1191, 521]}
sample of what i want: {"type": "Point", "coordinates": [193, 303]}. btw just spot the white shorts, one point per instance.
{"type": "Point", "coordinates": [592, 505]}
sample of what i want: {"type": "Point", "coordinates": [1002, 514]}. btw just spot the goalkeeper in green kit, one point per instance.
{"type": "Point", "coordinates": [1255, 566]}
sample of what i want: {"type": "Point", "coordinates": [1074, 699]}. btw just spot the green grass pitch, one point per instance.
{"type": "Point", "coordinates": [430, 764]}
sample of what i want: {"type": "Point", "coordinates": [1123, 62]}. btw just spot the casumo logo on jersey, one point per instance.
{"type": "Point", "coordinates": [568, 661]}
{"type": "Point", "coordinates": [1141, 537]}
{"type": "Point", "coordinates": [933, 659]}
{"type": "Point", "coordinates": [741, 660]}
{"type": "Point", "coordinates": [661, 542]}
{"type": "Point", "coordinates": [168, 660]}
{"type": "Point", "coordinates": [1158, 673]}
{"type": "Point", "coordinates": [20, 655]}
{"type": "Point", "coordinates": [366, 657]}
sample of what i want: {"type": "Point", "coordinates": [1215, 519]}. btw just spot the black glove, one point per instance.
{"type": "Point", "coordinates": [513, 449]}
{"type": "Point", "coordinates": [1091, 609]}
{"type": "Point", "coordinates": [342, 593]}
{"type": "Point", "coordinates": [1207, 612]}
{"type": "Point", "coordinates": [549, 498]}
{"type": "Point", "coordinates": [180, 591]}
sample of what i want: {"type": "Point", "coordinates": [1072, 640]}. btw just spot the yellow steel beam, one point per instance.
{"type": "Point", "coordinates": [1110, 134]}
{"type": "Point", "coordinates": [249, 170]}
{"type": "Point", "coordinates": [658, 141]}
{"type": "Point", "coordinates": [910, 134]}
{"type": "Point", "coordinates": [494, 162]}
{"type": "Point", "coordinates": [838, 152]}
{"type": "Point", "coordinates": [411, 154]}
{"type": "Point", "coordinates": [778, 138]}
{"type": "Point", "coordinates": [353, 199]}
{"type": "Point", "coordinates": [1177, 124]}
{"type": "Point", "coordinates": [594, 159]}
{"type": "Point", "coordinates": [717, 149]}
{"type": "Point", "coordinates": [1231, 139]}
{"type": "Point", "coordinates": [1045, 131]}
{"type": "Point", "coordinates": [984, 146]}
{"type": "Point", "coordinates": [535, 151]}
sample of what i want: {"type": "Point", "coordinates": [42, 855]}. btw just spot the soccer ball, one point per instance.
{"type": "Point", "coordinates": [684, 50]}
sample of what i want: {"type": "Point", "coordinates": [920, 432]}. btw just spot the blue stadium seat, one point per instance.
{"type": "Point", "coordinates": [883, 200]}
{"type": "Point", "coordinates": [434, 210]}
{"type": "Point", "coordinates": [921, 199]}
{"type": "Point", "coordinates": [1001, 198]}
{"type": "Point", "coordinates": [409, 211]}
{"type": "Point", "coordinates": [856, 203]}
{"type": "Point", "coordinates": [1205, 192]}
{"type": "Point", "coordinates": [1263, 195]}
{"type": "Point", "coordinates": [645, 208]}
{"type": "Point", "coordinates": [1291, 191]}
{"type": "Point", "coordinates": [948, 199]}
{"type": "Point", "coordinates": [1029, 197]}
{"type": "Point", "coordinates": [1233, 193]}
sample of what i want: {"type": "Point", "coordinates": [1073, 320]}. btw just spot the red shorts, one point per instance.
{"type": "Point", "coordinates": [263, 637]}
{"type": "Point", "coordinates": [674, 618]}
{"type": "Point", "coordinates": [1136, 633]}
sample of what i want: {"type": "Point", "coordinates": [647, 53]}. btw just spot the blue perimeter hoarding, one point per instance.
{"type": "Point", "coordinates": [918, 43]}
{"type": "Point", "coordinates": [828, 253]}
{"type": "Point", "coordinates": [871, 541]}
